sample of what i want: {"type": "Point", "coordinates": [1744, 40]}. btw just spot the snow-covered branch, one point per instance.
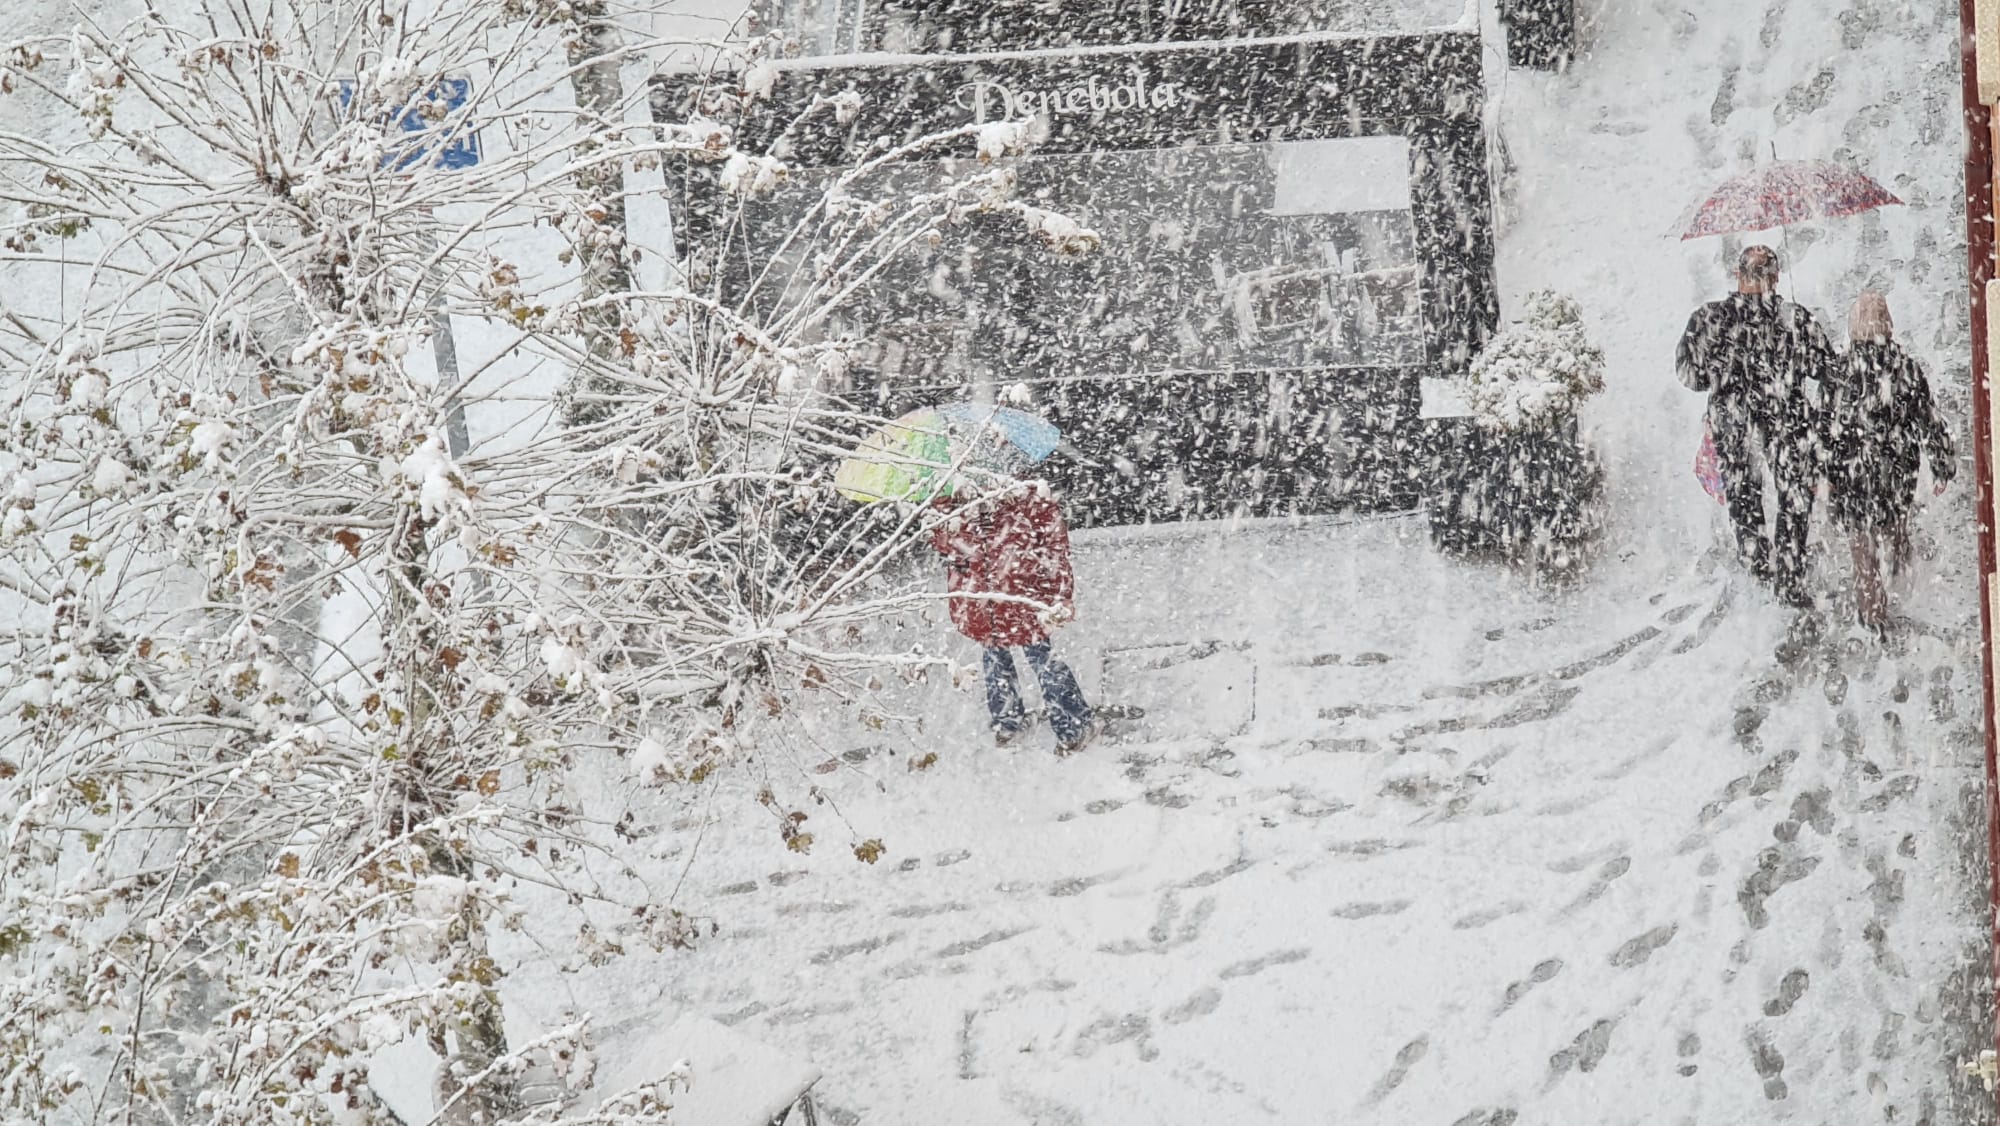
{"type": "Point", "coordinates": [295, 681]}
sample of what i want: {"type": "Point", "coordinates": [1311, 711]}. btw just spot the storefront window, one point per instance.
{"type": "Point", "coordinates": [1215, 258]}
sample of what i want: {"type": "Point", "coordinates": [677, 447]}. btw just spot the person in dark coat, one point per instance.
{"type": "Point", "coordinates": [1761, 359]}
{"type": "Point", "coordinates": [1881, 422]}
{"type": "Point", "coordinates": [1006, 556]}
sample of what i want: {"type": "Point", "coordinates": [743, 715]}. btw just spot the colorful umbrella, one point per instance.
{"type": "Point", "coordinates": [1034, 436]}
{"type": "Point", "coordinates": [916, 457]}
{"type": "Point", "coordinates": [1781, 193]}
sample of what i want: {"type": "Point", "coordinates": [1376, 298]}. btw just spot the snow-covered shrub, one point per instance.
{"type": "Point", "coordinates": [1535, 372]}
{"type": "Point", "coordinates": [1519, 482]}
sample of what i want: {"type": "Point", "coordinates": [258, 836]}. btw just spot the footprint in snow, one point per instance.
{"type": "Point", "coordinates": [1615, 867]}
{"type": "Point", "coordinates": [1876, 934]}
{"type": "Point", "coordinates": [1563, 807]}
{"type": "Point", "coordinates": [1887, 1041]}
{"type": "Point", "coordinates": [1036, 1108]}
{"type": "Point", "coordinates": [1901, 786]}
{"type": "Point", "coordinates": [807, 1014]}
{"type": "Point", "coordinates": [1407, 1057]}
{"type": "Point", "coordinates": [1368, 910]}
{"type": "Point", "coordinates": [1216, 875]}
{"type": "Point", "coordinates": [1370, 846]}
{"type": "Point", "coordinates": [1169, 929]}
{"type": "Point", "coordinates": [845, 950]}
{"type": "Point", "coordinates": [1772, 774]}
{"type": "Point", "coordinates": [1077, 885]}
{"type": "Point", "coordinates": [1790, 990]}
{"type": "Point", "coordinates": [1624, 767]}
{"type": "Point", "coordinates": [1571, 864]}
{"type": "Point", "coordinates": [1748, 719]}
{"type": "Point", "coordinates": [1886, 889]}
{"type": "Point", "coordinates": [1710, 621]}
{"type": "Point", "coordinates": [810, 907]}
{"type": "Point", "coordinates": [1635, 951]}
{"type": "Point", "coordinates": [1774, 871]}
{"type": "Point", "coordinates": [1201, 1003]}
{"type": "Point", "coordinates": [925, 910]}
{"type": "Point", "coordinates": [1943, 708]}
{"type": "Point", "coordinates": [1585, 1052]}
{"type": "Point", "coordinates": [1812, 808]}
{"type": "Point", "coordinates": [1688, 1048]}
{"type": "Point", "coordinates": [1251, 966]}
{"type": "Point", "coordinates": [1769, 1062]}
{"type": "Point", "coordinates": [1488, 916]}
{"type": "Point", "coordinates": [968, 946]}
{"type": "Point", "coordinates": [1680, 613]}
{"type": "Point", "coordinates": [741, 1015]}
{"type": "Point", "coordinates": [1136, 1028]}
{"type": "Point", "coordinates": [1725, 97]}
{"type": "Point", "coordinates": [1544, 971]}
{"type": "Point", "coordinates": [1417, 789]}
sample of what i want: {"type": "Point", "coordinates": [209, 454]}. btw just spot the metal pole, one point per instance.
{"type": "Point", "coordinates": [1979, 202]}
{"type": "Point", "coordinates": [446, 352]}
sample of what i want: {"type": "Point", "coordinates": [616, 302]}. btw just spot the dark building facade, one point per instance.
{"type": "Point", "coordinates": [1295, 227]}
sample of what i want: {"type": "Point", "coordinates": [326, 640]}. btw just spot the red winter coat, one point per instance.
{"type": "Point", "coordinates": [1017, 546]}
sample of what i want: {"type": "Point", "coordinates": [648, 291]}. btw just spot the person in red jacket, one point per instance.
{"type": "Point", "coordinates": [1006, 555]}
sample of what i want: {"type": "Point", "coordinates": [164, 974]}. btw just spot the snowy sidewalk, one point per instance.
{"type": "Point", "coordinates": [1536, 857]}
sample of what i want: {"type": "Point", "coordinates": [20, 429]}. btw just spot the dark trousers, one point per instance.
{"type": "Point", "coordinates": [1747, 461]}
{"type": "Point", "coordinates": [1068, 713]}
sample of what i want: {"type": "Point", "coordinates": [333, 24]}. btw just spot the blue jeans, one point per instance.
{"type": "Point", "coordinates": [1068, 713]}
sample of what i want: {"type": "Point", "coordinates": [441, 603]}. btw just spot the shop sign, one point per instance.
{"type": "Point", "coordinates": [990, 101]}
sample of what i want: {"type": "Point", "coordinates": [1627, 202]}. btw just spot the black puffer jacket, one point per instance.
{"type": "Point", "coordinates": [1761, 359]}
{"type": "Point", "coordinates": [1881, 420]}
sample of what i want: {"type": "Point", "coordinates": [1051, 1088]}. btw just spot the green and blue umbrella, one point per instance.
{"type": "Point", "coordinates": [921, 455]}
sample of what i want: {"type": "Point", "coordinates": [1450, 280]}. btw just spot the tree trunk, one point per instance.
{"type": "Point", "coordinates": [470, 1042]}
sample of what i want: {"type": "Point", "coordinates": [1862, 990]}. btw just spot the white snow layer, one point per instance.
{"type": "Point", "coordinates": [1405, 840]}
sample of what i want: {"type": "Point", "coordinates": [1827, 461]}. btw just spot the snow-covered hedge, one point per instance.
{"type": "Point", "coordinates": [1536, 371]}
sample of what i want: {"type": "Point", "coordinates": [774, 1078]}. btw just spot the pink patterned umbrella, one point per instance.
{"type": "Point", "coordinates": [1784, 192]}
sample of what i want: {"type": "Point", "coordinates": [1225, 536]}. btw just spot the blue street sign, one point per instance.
{"type": "Point", "coordinates": [422, 115]}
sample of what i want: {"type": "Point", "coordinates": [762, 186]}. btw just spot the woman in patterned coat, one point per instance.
{"type": "Point", "coordinates": [1881, 422]}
